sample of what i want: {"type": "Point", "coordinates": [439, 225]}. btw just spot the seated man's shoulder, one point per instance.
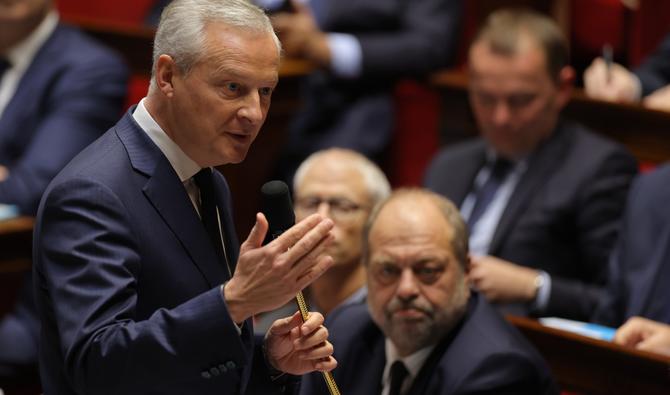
{"type": "Point", "coordinates": [349, 316]}
{"type": "Point", "coordinates": [490, 349]}
{"type": "Point", "coordinates": [490, 333]}
{"type": "Point", "coordinates": [595, 147]}
{"type": "Point", "coordinates": [459, 151]}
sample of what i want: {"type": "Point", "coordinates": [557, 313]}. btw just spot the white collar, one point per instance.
{"type": "Point", "coordinates": [413, 362]}
{"type": "Point", "coordinates": [184, 166]}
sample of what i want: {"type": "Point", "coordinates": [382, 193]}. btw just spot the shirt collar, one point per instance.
{"type": "Point", "coordinates": [184, 166]}
{"type": "Point", "coordinates": [413, 362]}
{"type": "Point", "coordinates": [22, 54]}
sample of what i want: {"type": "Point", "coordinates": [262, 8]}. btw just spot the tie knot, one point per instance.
{"type": "Point", "coordinates": [500, 167]}
{"type": "Point", "coordinates": [398, 374]}
{"type": "Point", "coordinates": [203, 178]}
{"type": "Point", "coordinates": [4, 65]}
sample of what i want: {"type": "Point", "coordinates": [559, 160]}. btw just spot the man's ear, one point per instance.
{"type": "Point", "coordinates": [166, 70]}
{"type": "Point", "coordinates": [566, 81]}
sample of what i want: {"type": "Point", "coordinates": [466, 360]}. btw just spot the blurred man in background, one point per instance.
{"type": "Point", "coordinates": [542, 195]}
{"type": "Point", "coordinates": [58, 91]}
{"type": "Point", "coordinates": [344, 186]}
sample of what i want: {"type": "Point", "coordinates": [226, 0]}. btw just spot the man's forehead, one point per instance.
{"type": "Point", "coordinates": [331, 177]}
{"type": "Point", "coordinates": [527, 58]}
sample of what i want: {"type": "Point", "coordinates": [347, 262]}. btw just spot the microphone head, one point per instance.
{"type": "Point", "coordinates": [278, 209]}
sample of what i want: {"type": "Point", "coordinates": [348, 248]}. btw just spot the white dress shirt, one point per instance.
{"type": "Point", "coordinates": [412, 362]}
{"type": "Point", "coordinates": [183, 165]}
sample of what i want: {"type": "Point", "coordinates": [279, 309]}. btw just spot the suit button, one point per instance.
{"type": "Point", "coordinates": [223, 368]}
{"type": "Point", "coordinates": [205, 375]}
{"type": "Point", "coordinates": [215, 371]}
{"type": "Point", "coordinates": [231, 365]}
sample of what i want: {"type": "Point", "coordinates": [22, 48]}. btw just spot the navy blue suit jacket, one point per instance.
{"type": "Point", "coordinates": [639, 281]}
{"type": "Point", "coordinates": [71, 92]}
{"type": "Point", "coordinates": [127, 282]}
{"type": "Point", "coordinates": [399, 39]}
{"type": "Point", "coordinates": [483, 355]}
{"type": "Point", "coordinates": [563, 217]}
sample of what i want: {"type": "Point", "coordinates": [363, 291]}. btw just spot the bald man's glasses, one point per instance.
{"type": "Point", "coordinates": [338, 208]}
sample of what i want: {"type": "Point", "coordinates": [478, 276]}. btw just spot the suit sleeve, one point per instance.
{"type": "Point", "coordinates": [425, 40]}
{"type": "Point", "coordinates": [88, 266]}
{"type": "Point", "coordinates": [654, 72]}
{"type": "Point", "coordinates": [600, 205]}
{"type": "Point", "coordinates": [83, 101]}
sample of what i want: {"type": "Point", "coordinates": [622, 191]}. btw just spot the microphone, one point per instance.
{"type": "Point", "coordinates": [277, 207]}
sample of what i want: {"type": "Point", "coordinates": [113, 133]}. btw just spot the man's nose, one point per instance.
{"type": "Point", "coordinates": [251, 109]}
{"type": "Point", "coordinates": [501, 114]}
{"type": "Point", "coordinates": [408, 286]}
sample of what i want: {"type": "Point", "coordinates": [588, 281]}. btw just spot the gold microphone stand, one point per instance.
{"type": "Point", "coordinates": [304, 312]}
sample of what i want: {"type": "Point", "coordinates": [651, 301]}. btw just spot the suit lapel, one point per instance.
{"type": "Point", "coordinates": [170, 199]}
{"type": "Point", "coordinates": [461, 179]}
{"type": "Point", "coordinates": [372, 368]}
{"type": "Point", "coordinates": [541, 165]}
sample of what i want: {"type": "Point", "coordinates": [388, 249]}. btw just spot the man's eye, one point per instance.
{"type": "Point", "coordinates": [520, 101]}
{"type": "Point", "coordinates": [387, 273]}
{"type": "Point", "coordinates": [428, 275]}
{"type": "Point", "coordinates": [232, 87]}
{"type": "Point", "coordinates": [485, 99]}
{"type": "Point", "coordinates": [265, 91]}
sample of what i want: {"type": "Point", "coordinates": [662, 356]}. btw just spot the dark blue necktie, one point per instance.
{"type": "Point", "coordinates": [205, 182]}
{"type": "Point", "coordinates": [484, 195]}
{"type": "Point", "coordinates": [4, 66]}
{"type": "Point", "coordinates": [398, 374]}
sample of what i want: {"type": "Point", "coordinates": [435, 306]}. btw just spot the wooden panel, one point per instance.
{"type": "Point", "coordinates": [597, 367]}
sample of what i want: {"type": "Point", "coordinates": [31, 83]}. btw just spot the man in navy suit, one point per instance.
{"type": "Point", "coordinates": [360, 50]}
{"type": "Point", "coordinates": [140, 285]}
{"type": "Point", "coordinates": [423, 331]}
{"type": "Point", "coordinates": [543, 196]}
{"type": "Point", "coordinates": [647, 84]}
{"type": "Point", "coordinates": [58, 91]}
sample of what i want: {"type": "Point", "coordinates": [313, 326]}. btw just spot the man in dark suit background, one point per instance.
{"type": "Point", "coordinates": [58, 91]}
{"type": "Point", "coordinates": [360, 50]}
{"type": "Point", "coordinates": [423, 331]}
{"type": "Point", "coordinates": [543, 196]}
{"type": "Point", "coordinates": [138, 279]}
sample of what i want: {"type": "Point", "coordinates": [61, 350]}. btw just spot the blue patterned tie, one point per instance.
{"type": "Point", "coordinates": [484, 195]}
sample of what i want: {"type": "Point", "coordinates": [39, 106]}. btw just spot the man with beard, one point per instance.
{"type": "Point", "coordinates": [424, 331]}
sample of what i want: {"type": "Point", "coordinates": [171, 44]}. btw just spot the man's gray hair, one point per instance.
{"type": "Point", "coordinates": [377, 184]}
{"type": "Point", "coordinates": [180, 32]}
